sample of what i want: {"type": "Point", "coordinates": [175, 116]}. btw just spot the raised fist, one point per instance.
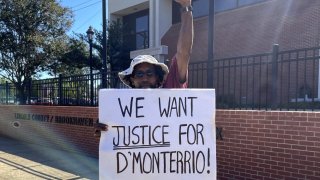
{"type": "Point", "coordinates": [184, 3]}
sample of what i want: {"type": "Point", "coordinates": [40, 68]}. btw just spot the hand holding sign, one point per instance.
{"type": "Point", "coordinates": [98, 127]}
{"type": "Point", "coordinates": [157, 134]}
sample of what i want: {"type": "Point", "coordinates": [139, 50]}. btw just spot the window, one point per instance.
{"type": "Point", "coordinates": [198, 8]}
{"type": "Point", "coordinates": [136, 34]}
{"type": "Point", "coordinates": [201, 7]}
{"type": "Point", "coordinates": [142, 32]}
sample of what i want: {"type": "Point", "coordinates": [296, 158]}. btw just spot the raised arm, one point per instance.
{"type": "Point", "coordinates": [185, 41]}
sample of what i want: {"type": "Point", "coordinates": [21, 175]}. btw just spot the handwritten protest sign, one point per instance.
{"type": "Point", "coordinates": [157, 134]}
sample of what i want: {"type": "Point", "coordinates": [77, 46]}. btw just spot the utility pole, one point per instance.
{"type": "Point", "coordinates": [104, 44]}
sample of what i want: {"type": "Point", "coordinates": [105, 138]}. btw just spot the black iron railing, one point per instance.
{"type": "Point", "coordinates": [67, 91]}
{"type": "Point", "coordinates": [282, 80]}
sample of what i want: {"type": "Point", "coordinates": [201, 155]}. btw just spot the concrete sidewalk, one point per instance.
{"type": "Point", "coordinates": [20, 160]}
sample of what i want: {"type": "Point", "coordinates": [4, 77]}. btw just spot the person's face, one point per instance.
{"type": "Point", "coordinates": [144, 76]}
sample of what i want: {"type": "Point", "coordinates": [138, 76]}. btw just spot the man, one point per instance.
{"type": "Point", "coordinates": [146, 72]}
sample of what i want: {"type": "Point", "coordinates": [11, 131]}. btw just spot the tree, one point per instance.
{"type": "Point", "coordinates": [118, 51]}
{"type": "Point", "coordinates": [96, 46]}
{"type": "Point", "coordinates": [32, 32]}
{"type": "Point", "coordinates": [73, 59]}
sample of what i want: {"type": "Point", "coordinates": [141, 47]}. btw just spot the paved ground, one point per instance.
{"type": "Point", "coordinates": [19, 160]}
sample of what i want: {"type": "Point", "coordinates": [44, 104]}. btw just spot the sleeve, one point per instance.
{"type": "Point", "coordinates": [172, 80]}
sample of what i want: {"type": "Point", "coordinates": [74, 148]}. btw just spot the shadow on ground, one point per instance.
{"type": "Point", "coordinates": [21, 160]}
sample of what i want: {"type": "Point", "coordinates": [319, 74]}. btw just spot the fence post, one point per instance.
{"type": "Point", "coordinates": [60, 93]}
{"type": "Point", "coordinates": [29, 90]}
{"type": "Point", "coordinates": [274, 84]}
{"type": "Point", "coordinates": [7, 92]}
{"type": "Point", "coordinates": [210, 73]}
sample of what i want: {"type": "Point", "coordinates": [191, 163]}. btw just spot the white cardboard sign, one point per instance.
{"type": "Point", "coordinates": [157, 134]}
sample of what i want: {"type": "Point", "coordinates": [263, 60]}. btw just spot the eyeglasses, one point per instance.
{"type": "Point", "coordinates": [140, 74]}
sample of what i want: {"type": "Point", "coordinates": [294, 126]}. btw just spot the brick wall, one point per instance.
{"type": "Point", "coordinates": [68, 128]}
{"type": "Point", "coordinates": [251, 30]}
{"type": "Point", "coordinates": [254, 29]}
{"type": "Point", "coordinates": [268, 145]}
{"type": "Point", "coordinates": [255, 144]}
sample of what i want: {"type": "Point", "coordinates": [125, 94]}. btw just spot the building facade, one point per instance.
{"type": "Point", "coordinates": [241, 28]}
{"type": "Point", "coordinates": [145, 22]}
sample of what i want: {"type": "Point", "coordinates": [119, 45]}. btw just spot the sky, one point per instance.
{"type": "Point", "coordinates": [86, 13]}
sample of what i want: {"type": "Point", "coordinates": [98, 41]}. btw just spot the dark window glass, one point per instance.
{"type": "Point", "coordinates": [175, 13]}
{"type": "Point", "coordinates": [142, 27]}
{"type": "Point", "coordinates": [201, 7]}
{"type": "Point", "coordinates": [136, 33]}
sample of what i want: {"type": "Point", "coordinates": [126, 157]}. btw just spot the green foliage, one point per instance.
{"type": "Point", "coordinates": [77, 56]}
{"type": "Point", "coordinates": [32, 33]}
{"type": "Point", "coordinates": [73, 59]}
{"type": "Point", "coordinates": [96, 50]}
{"type": "Point", "coordinates": [2, 80]}
{"type": "Point", "coordinates": [118, 54]}
{"type": "Point", "coordinates": [118, 51]}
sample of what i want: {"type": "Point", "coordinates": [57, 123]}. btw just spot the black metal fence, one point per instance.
{"type": "Point", "coordinates": [67, 91]}
{"type": "Point", "coordinates": [283, 80]}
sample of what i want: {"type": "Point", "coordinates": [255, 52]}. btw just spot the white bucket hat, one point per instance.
{"type": "Point", "coordinates": [138, 60]}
